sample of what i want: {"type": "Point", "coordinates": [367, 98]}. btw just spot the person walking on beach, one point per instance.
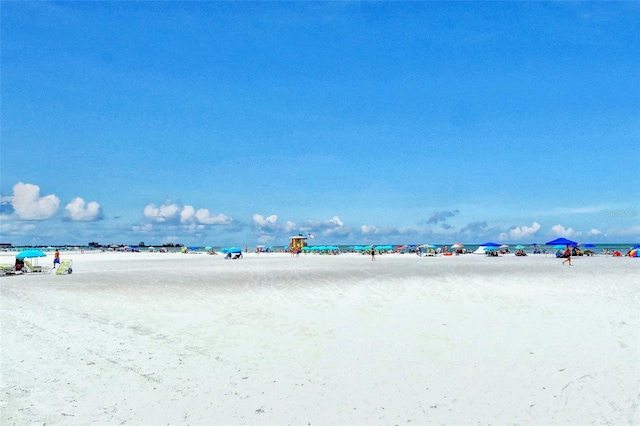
{"type": "Point", "coordinates": [567, 254]}
{"type": "Point", "coordinates": [373, 254]}
{"type": "Point", "coordinates": [56, 259]}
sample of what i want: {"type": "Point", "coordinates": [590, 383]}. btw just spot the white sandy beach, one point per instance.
{"type": "Point", "coordinates": [151, 338]}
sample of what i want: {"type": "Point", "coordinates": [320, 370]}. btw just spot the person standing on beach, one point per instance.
{"type": "Point", "coordinates": [567, 254]}
{"type": "Point", "coordinates": [373, 254]}
{"type": "Point", "coordinates": [56, 259]}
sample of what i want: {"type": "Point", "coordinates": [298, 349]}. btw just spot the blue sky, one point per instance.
{"type": "Point", "coordinates": [218, 123]}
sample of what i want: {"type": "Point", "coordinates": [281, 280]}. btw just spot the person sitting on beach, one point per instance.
{"type": "Point", "coordinates": [19, 264]}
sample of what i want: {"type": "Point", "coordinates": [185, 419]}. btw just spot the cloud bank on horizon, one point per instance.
{"type": "Point", "coordinates": [215, 123]}
{"type": "Point", "coordinates": [27, 211]}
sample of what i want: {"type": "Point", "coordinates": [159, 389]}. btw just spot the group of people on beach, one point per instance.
{"type": "Point", "coordinates": [19, 265]}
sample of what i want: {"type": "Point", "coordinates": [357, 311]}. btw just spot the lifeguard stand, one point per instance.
{"type": "Point", "coordinates": [297, 243]}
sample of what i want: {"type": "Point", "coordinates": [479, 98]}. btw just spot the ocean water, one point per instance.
{"type": "Point", "coordinates": [599, 248]}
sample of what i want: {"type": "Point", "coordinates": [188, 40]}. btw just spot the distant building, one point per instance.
{"type": "Point", "coordinates": [6, 246]}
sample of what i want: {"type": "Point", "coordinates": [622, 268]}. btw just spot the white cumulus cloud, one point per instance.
{"type": "Point", "coordinates": [187, 215]}
{"type": "Point", "coordinates": [368, 229]}
{"type": "Point", "coordinates": [206, 218]}
{"type": "Point", "coordinates": [261, 221]}
{"type": "Point", "coordinates": [29, 205]}
{"type": "Point", "coordinates": [165, 213]}
{"type": "Point", "coordinates": [145, 228]}
{"type": "Point", "coordinates": [561, 231]}
{"type": "Point", "coordinates": [78, 210]}
{"type": "Point", "coordinates": [594, 232]}
{"type": "Point", "coordinates": [520, 232]}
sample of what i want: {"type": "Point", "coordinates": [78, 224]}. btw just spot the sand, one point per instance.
{"type": "Point", "coordinates": [153, 338]}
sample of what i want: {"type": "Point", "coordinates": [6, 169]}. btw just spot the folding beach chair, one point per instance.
{"type": "Point", "coordinates": [37, 268]}
{"type": "Point", "coordinates": [6, 269]}
{"type": "Point", "coordinates": [65, 267]}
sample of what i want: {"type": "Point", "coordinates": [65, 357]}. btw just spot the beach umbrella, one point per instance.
{"type": "Point", "coordinates": [504, 246]}
{"type": "Point", "coordinates": [489, 248]}
{"type": "Point", "coordinates": [427, 246]}
{"type": "Point", "coordinates": [562, 241]}
{"type": "Point", "coordinates": [519, 247]}
{"type": "Point", "coordinates": [636, 246]}
{"type": "Point", "coordinates": [457, 245]}
{"type": "Point", "coordinates": [559, 247]}
{"type": "Point", "coordinates": [489, 244]}
{"type": "Point", "coordinates": [635, 252]}
{"type": "Point", "coordinates": [30, 254]}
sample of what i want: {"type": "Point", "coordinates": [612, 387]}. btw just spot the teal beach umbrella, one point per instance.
{"type": "Point", "coordinates": [30, 254]}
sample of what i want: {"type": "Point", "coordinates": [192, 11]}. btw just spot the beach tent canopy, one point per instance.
{"type": "Point", "coordinates": [562, 241]}
{"type": "Point", "coordinates": [489, 244]}
{"type": "Point", "coordinates": [231, 250]}
{"type": "Point", "coordinates": [30, 254]}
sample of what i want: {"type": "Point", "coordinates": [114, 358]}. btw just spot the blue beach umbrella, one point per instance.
{"type": "Point", "coordinates": [562, 241]}
{"type": "Point", "coordinates": [489, 245]}
{"type": "Point", "coordinates": [30, 254]}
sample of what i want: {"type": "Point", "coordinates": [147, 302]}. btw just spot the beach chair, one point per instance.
{"type": "Point", "coordinates": [37, 269]}
{"type": "Point", "coordinates": [65, 267]}
{"type": "Point", "coordinates": [6, 269]}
